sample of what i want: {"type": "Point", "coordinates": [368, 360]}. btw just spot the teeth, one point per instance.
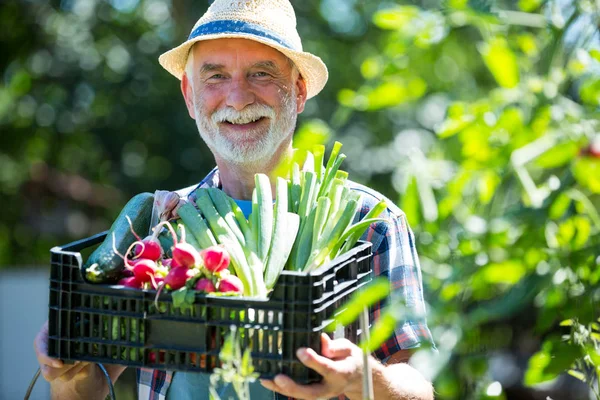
{"type": "Point", "coordinates": [240, 121]}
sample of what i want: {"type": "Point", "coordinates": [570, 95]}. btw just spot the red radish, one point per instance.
{"type": "Point", "coordinates": [177, 277]}
{"type": "Point", "coordinates": [183, 253]}
{"type": "Point", "coordinates": [148, 248]}
{"type": "Point", "coordinates": [215, 258]}
{"type": "Point", "coordinates": [131, 282]}
{"type": "Point", "coordinates": [186, 255]}
{"type": "Point", "coordinates": [144, 270]}
{"type": "Point", "coordinates": [231, 283]}
{"type": "Point", "coordinates": [205, 285]}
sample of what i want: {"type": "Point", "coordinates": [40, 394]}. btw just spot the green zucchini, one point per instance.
{"type": "Point", "coordinates": [104, 265]}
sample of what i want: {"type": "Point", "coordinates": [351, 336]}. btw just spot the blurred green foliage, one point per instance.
{"type": "Point", "coordinates": [479, 118]}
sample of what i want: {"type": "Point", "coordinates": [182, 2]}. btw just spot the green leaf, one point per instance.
{"type": "Point", "coordinates": [311, 133]}
{"type": "Point", "coordinates": [577, 374]}
{"type": "Point", "coordinates": [583, 227]}
{"type": "Point", "coordinates": [595, 53]}
{"type": "Point", "coordinates": [559, 155]}
{"type": "Point", "coordinates": [410, 203]}
{"type": "Point", "coordinates": [507, 272]}
{"type": "Point", "coordinates": [529, 5]}
{"type": "Point", "coordinates": [501, 61]}
{"type": "Point", "coordinates": [374, 292]}
{"type": "Point", "coordinates": [554, 358]}
{"type": "Point", "coordinates": [372, 67]}
{"type": "Point", "coordinates": [395, 92]}
{"type": "Point", "coordinates": [395, 18]}
{"type": "Point", "coordinates": [247, 368]}
{"type": "Point", "coordinates": [590, 92]}
{"type": "Point", "coordinates": [381, 330]}
{"type": "Point", "coordinates": [560, 206]}
{"type": "Point", "coordinates": [486, 186]}
{"type": "Point", "coordinates": [183, 299]}
{"type": "Point", "coordinates": [587, 173]}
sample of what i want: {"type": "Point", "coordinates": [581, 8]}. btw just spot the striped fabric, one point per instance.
{"type": "Point", "coordinates": [394, 256]}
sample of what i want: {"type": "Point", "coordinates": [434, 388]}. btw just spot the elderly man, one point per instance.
{"type": "Point", "coordinates": [245, 78]}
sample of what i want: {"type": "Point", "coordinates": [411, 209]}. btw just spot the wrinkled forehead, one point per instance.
{"type": "Point", "coordinates": [235, 51]}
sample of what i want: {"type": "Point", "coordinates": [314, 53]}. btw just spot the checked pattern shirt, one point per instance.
{"type": "Point", "coordinates": [394, 257]}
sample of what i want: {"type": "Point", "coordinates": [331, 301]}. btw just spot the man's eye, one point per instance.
{"type": "Point", "coordinates": [261, 74]}
{"type": "Point", "coordinates": [216, 76]}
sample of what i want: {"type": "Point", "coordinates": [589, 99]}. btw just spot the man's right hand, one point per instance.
{"type": "Point", "coordinates": [53, 368]}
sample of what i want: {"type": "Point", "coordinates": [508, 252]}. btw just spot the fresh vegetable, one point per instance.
{"type": "Point", "coordinates": [308, 222]}
{"type": "Point", "coordinates": [231, 284]}
{"type": "Point", "coordinates": [144, 270]}
{"type": "Point", "coordinates": [177, 277]}
{"type": "Point", "coordinates": [130, 282]}
{"type": "Point", "coordinates": [205, 285]}
{"type": "Point", "coordinates": [285, 227]}
{"type": "Point", "coordinates": [104, 265]}
{"type": "Point", "coordinates": [215, 258]}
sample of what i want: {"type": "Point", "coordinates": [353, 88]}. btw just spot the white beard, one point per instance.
{"type": "Point", "coordinates": [261, 148]}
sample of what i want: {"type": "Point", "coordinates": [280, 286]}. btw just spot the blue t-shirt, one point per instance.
{"type": "Point", "coordinates": [245, 206]}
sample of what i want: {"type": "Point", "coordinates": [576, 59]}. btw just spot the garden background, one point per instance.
{"type": "Point", "coordinates": [479, 118]}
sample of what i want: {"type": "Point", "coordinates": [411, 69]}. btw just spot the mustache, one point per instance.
{"type": "Point", "coordinates": [249, 113]}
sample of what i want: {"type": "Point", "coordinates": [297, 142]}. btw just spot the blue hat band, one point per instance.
{"type": "Point", "coordinates": [237, 27]}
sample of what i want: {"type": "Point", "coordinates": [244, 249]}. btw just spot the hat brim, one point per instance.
{"type": "Point", "coordinates": [312, 68]}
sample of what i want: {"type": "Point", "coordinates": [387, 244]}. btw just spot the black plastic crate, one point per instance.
{"type": "Point", "coordinates": [116, 325]}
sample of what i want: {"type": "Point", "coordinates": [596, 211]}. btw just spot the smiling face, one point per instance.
{"type": "Point", "coordinates": [245, 97]}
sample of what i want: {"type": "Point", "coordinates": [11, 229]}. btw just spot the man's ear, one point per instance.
{"type": "Point", "coordinates": [300, 94]}
{"type": "Point", "coordinates": [186, 90]}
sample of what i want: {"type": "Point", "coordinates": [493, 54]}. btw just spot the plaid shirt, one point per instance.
{"type": "Point", "coordinates": [394, 256]}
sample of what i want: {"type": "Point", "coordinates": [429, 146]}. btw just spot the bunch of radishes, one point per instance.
{"type": "Point", "coordinates": [203, 270]}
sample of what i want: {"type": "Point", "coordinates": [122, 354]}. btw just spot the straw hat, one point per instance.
{"type": "Point", "coordinates": [271, 22]}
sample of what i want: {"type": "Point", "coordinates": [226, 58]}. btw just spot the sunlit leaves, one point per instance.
{"type": "Point", "coordinates": [312, 132]}
{"type": "Point", "coordinates": [395, 92]}
{"type": "Point", "coordinates": [372, 67]}
{"type": "Point", "coordinates": [590, 91]}
{"type": "Point", "coordinates": [459, 117]}
{"type": "Point", "coordinates": [527, 44]}
{"type": "Point", "coordinates": [381, 330]}
{"type": "Point", "coordinates": [555, 357]}
{"type": "Point", "coordinates": [558, 155]}
{"type": "Point", "coordinates": [390, 93]}
{"type": "Point", "coordinates": [486, 186]}
{"type": "Point", "coordinates": [409, 202]}
{"type": "Point", "coordinates": [501, 61]}
{"type": "Point", "coordinates": [508, 272]}
{"type": "Point", "coordinates": [587, 173]}
{"type": "Point", "coordinates": [560, 206]}
{"type": "Point", "coordinates": [425, 28]}
{"type": "Point", "coordinates": [529, 5]}
{"type": "Point", "coordinates": [395, 18]}
{"type": "Point", "coordinates": [371, 294]}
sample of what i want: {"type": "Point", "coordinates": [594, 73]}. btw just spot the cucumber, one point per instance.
{"type": "Point", "coordinates": [103, 265]}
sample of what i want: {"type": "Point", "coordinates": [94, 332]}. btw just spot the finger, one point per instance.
{"type": "Point", "coordinates": [50, 373]}
{"type": "Point", "coordinates": [40, 344]}
{"type": "Point", "coordinates": [312, 360]}
{"type": "Point", "coordinates": [268, 384]}
{"type": "Point", "coordinates": [286, 386]}
{"type": "Point", "coordinates": [335, 349]}
{"type": "Point", "coordinates": [72, 372]}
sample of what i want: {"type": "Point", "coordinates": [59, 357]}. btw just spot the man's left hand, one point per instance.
{"type": "Point", "coordinates": [341, 366]}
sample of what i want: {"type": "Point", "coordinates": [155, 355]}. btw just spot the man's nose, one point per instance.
{"type": "Point", "coordinates": [240, 95]}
